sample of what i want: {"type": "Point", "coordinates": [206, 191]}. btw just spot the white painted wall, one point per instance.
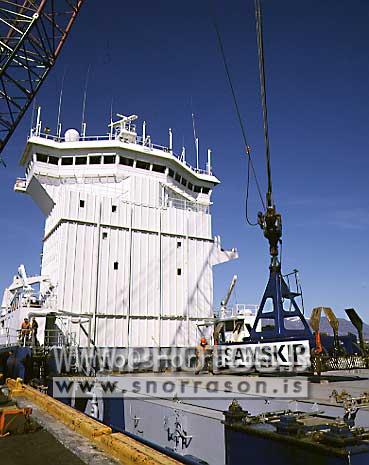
{"type": "Point", "coordinates": [122, 219]}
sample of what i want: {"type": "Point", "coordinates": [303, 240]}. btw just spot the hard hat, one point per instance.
{"type": "Point", "coordinates": [203, 340]}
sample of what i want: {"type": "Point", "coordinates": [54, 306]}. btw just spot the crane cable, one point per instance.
{"type": "Point", "coordinates": [250, 165]}
{"type": "Point", "coordinates": [260, 45]}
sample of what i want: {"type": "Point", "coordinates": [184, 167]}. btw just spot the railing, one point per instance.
{"type": "Point", "coordinates": [8, 337]}
{"type": "Point", "coordinates": [239, 310]}
{"type": "Point", "coordinates": [186, 205]}
{"type": "Point", "coordinates": [138, 141]}
{"type": "Point", "coordinates": [56, 338]}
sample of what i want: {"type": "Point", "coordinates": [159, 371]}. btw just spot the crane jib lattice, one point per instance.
{"type": "Point", "coordinates": [32, 33]}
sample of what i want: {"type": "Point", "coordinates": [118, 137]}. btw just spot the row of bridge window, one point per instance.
{"type": "Point", "coordinates": [111, 159]}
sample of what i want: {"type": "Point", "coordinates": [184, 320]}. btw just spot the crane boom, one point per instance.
{"type": "Point", "coordinates": [224, 302]}
{"type": "Point", "coordinates": [32, 34]}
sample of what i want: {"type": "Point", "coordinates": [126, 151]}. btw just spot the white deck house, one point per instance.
{"type": "Point", "coordinates": [128, 248]}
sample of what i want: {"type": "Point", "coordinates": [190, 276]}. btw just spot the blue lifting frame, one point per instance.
{"type": "Point", "coordinates": [278, 291]}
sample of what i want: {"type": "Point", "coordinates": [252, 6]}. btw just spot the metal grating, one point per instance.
{"type": "Point", "coordinates": [32, 34]}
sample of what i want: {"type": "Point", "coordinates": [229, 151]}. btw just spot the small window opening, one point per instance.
{"type": "Point", "coordinates": [95, 160]}
{"type": "Point", "coordinates": [109, 159]}
{"type": "Point", "coordinates": [82, 204]}
{"type": "Point", "coordinates": [41, 157]}
{"type": "Point", "coordinates": [158, 168]}
{"type": "Point", "coordinates": [116, 264]}
{"type": "Point", "coordinates": [126, 161]}
{"type": "Point", "coordinates": [81, 161]}
{"type": "Point", "coordinates": [184, 182]}
{"type": "Point", "coordinates": [104, 235]}
{"type": "Point", "coordinates": [67, 161]}
{"type": "Point", "coordinates": [190, 186]}
{"type": "Point", "coordinates": [179, 271]}
{"type": "Point", "coordinates": [53, 160]}
{"type": "Point", "coordinates": [179, 244]}
{"type": "Point", "coordinates": [170, 172]}
{"type": "Point", "coordinates": [113, 208]}
{"type": "Point", "coordinates": [178, 177]}
{"type": "Point", "coordinates": [143, 165]}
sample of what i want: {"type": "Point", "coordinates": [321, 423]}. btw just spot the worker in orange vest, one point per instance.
{"type": "Point", "coordinates": [25, 331]}
{"type": "Point", "coordinates": [202, 356]}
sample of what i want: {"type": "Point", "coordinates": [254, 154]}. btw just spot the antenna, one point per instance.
{"type": "Point", "coordinates": [32, 117]}
{"type": "Point", "coordinates": [144, 133]}
{"type": "Point", "coordinates": [196, 139]}
{"type": "Point", "coordinates": [58, 124]}
{"type": "Point", "coordinates": [83, 123]}
{"type": "Point", "coordinates": [170, 140]}
{"type": "Point", "coordinates": [209, 162]}
{"type": "Point", "coordinates": [111, 119]}
{"type": "Point", "coordinates": [38, 121]}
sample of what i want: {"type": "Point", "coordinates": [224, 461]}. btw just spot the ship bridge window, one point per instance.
{"type": "Point", "coordinates": [81, 161]}
{"type": "Point", "coordinates": [53, 160]}
{"type": "Point", "coordinates": [143, 165]}
{"type": "Point", "coordinates": [159, 168]}
{"type": "Point", "coordinates": [177, 177]}
{"type": "Point", "coordinates": [126, 161]}
{"type": "Point", "coordinates": [184, 182]}
{"type": "Point", "coordinates": [205, 190]}
{"type": "Point", "coordinates": [170, 172]}
{"type": "Point", "coordinates": [67, 161]}
{"type": "Point", "coordinates": [41, 157]}
{"type": "Point", "coordinates": [109, 159]}
{"type": "Point", "coordinates": [190, 186]}
{"type": "Point", "coordinates": [197, 189]}
{"type": "Point", "coordinates": [95, 160]}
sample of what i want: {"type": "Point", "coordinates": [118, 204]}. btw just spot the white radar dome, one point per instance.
{"type": "Point", "coordinates": [71, 135]}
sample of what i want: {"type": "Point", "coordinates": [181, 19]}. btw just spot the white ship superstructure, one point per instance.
{"type": "Point", "coordinates": [128, 249]}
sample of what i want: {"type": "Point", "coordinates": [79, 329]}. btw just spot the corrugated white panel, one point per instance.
{"type": "Point", "coordinates": [112, 332]}
{"type": "Point", "coordinates": [78, 279]}
{"type": "Point", "coordinates": [114, 271]}
{"type": "Point", "coordinates": [143, 332]}
{"type": "Point", "coordinates": [199, 224]}
{"type": "Point", "coordinates": [199, 278]}
{"type": "Point", "coordinates": [174, 221]}
{"type": "Point", "coordinates": [173, 285]}
{"type": "Point", "coordinates": [115, 212]}
{"type": "Point", "coordinates": [146, 218]}
{"type": "Point", "coordinates": [174, 333]}
{"type": "Point", "coordinates": [145, 274]}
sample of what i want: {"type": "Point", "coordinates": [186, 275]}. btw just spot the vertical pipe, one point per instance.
{"type": "Point", "coordinates": [38, 121]}
{"type": "Point", "coordinates": [170, 140]}
{"type": "Point", "coordinates": [97, 273]}
{"type": "Point", "coordinates": [197, 152]}
{"type": "Point", "coordinates": [143, 132]}
{"type": "Point", "coordinates": [209, 162]}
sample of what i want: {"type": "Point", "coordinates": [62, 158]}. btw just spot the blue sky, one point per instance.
{"type": "Point", "coordinates": [155, 58]}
